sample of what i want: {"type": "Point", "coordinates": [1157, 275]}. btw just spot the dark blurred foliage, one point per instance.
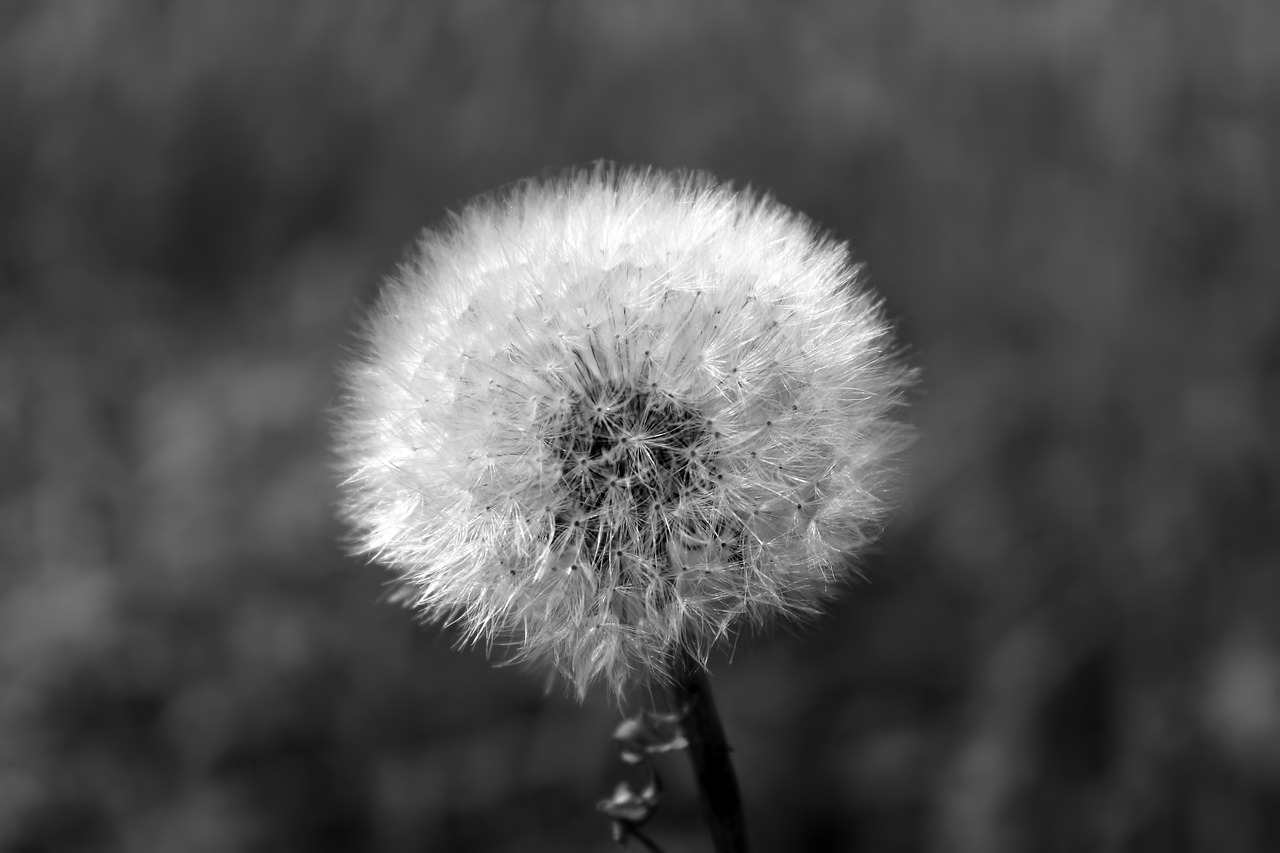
{"type": "Point", "coordinates": [1070, 640]}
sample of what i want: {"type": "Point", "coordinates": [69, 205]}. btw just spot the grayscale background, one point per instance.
{"type": "Point", "coordinates": [1069, 640]}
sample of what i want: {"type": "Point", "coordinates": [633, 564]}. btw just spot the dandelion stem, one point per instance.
{"type": "Point", "coordinates": [709, 752]}
{"type": "Point", "coordinates": [645, 841]}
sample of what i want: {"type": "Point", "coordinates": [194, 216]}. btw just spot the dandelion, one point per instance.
{"type": "Point", "coordinates": [611, 417]}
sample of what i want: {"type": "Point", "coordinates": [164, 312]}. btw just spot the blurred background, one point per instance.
{"type": "Point", "coordinates": [1069, 640]}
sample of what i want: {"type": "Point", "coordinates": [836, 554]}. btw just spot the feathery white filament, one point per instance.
{"type": "Point", "coordinates": [602, 415]}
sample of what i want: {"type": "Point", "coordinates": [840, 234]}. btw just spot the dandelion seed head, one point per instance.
{"type": "Point", "coordinates": [602, 415]}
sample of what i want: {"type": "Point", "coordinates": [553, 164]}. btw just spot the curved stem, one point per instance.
{"type": "Point", "coordinates": [709, 752]}
{"type": "Point", "coordinates": [645, 840]}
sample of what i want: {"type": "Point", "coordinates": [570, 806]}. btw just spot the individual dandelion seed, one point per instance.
{"type": "Point", "coordinates": [612, 416]}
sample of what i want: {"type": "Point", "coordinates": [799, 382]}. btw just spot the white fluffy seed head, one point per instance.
{"type": "Point", "coordinates": [601, 416]}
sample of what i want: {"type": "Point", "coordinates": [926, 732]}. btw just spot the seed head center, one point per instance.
{"type": "Point", "coordinates": [628, 456]}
